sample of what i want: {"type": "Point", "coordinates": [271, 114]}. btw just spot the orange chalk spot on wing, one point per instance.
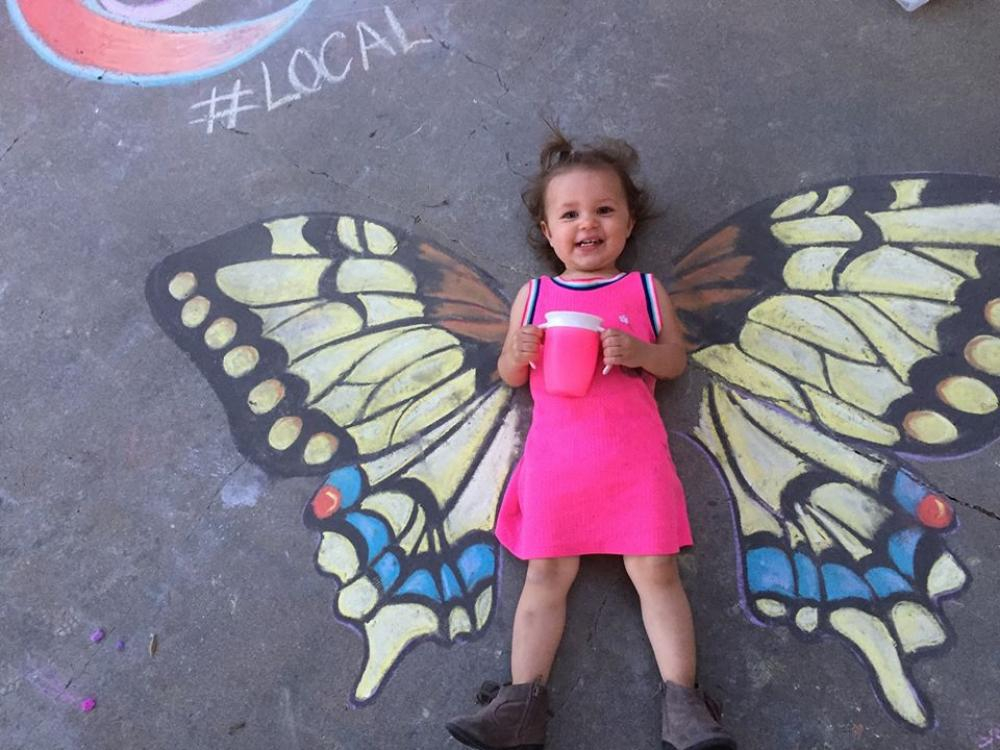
{"type": "Point", "coordinates": [935, 512]}
{"type": "Point", "coordinates": [326, 501]}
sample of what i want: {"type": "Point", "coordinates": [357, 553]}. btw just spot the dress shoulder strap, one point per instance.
{"type": "Point", "coordinates": [652, 304]}
{"type": "Point", "coordinates": [532, 302]}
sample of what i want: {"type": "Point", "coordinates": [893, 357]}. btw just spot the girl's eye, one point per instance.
{"type": "Point", "coordinates": [569, 215]}
{"type": "Point", "coordinates": [605, 210]}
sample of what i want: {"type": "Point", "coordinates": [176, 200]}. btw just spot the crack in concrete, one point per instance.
{"type": "Point", "coordinates": [474, 61]}
{"type": "Point", "coordinates": [500, 80]}
{"type": "Point", "coordinates": [510, 168]}
{"type": "Point", "coordinates": [349, 188]}
{"type": "Point", "coordinates": [569, 694]}
{"type": "Point", "coordinates": [978, 508]}
{"type": "Point", "coordinates": [597, 617]}
{"type": "Point", "coordinates": [12, 144]}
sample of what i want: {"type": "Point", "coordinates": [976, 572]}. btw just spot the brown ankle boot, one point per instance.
{"type": "Point", "coordinates": [688, 724]}
{"type": "Point", "coordinates": [513, 717]}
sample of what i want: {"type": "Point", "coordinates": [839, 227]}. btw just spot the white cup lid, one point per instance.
{"type": "Point", "coordinates": [572, 319]}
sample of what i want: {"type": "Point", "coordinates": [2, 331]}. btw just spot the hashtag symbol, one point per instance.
{"type": "Point", "coordinates": [231, 107]}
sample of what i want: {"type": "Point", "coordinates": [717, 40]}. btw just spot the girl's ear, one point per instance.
{"type": "Point", "coordinates": [631, 226]}
{"type": "Point", "coordinates": [545, 230]}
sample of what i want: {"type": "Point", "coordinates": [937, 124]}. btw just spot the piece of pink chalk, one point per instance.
{"type": "Point", "coordinates": [87, 705]}
{"type": "Point", "coordinates": [97, 636]}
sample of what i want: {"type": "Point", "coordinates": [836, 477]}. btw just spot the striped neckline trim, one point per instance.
{"type": "Point", "coordinates": [597, 284]}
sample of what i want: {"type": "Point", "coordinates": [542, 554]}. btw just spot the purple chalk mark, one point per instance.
{"type": "Point", "coordinates": [87, 705]}
{"type": "Point", "coordinates": [120, 646]}
{"type": "Point", "coordinates": [158, 10]}
{"type": "Point", "coordinates": [51, 684]}
{"type": "Point", "coordinates": [97, 636]}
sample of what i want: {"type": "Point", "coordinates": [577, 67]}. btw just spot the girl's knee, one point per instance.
{"type": "Point", "coordinates": [648, 571]}
{"type": "Point", "coordinates": [553, 572]}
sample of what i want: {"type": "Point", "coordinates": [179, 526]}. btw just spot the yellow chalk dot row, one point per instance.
{"type": "Point", "coordinates": [240, 361]}
{"type": "Point", "coordinates": [992, 313]}
{"type": "Point", "coordinates": [284, 431]}
{"type": "Point", "coordinates": [962, 393]}
{"type": "Point", "coordinates": [182, 286]}
{"type": "Point", "coordinates": [983, 353]}
{"type": "Point", "coordinates": [220, 332]}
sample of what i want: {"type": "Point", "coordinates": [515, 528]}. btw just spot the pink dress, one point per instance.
{"type": "Point", "coordinates": [596, 476]}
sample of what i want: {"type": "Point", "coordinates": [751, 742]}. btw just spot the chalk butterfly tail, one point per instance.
{"type": "Point", "coordinates": [844, 328]}
{"type": "Point", "coordinates": [349, 351]}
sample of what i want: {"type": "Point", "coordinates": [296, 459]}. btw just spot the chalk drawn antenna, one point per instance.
{"type": "Point", "coordinates": [88, 42]}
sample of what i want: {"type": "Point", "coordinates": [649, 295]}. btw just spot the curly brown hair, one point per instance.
{"type": "Point", "coordinates": [558, 156]}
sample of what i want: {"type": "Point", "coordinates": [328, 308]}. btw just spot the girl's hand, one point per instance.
{"type": "Point", "coordinates": [520, 345]}
{"type": "Point", "coordinates": [622, 349]}
{"type": "Point", "coordinates": [525, 345]}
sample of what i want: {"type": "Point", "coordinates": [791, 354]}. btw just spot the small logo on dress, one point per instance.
{"type": "Point", "coordinates": [623, 318]}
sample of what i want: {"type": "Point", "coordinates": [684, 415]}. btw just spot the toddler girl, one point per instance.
{"type": "Point", "coordinates": [622, 495]}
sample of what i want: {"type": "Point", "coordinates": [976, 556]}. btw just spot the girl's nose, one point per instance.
{"type": "Point", "coordinates": [588, 220]}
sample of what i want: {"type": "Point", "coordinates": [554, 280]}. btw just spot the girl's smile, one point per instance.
{"type": "Point", "coordinates": [587, 221]}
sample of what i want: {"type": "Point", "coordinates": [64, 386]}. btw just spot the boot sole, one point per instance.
{"type": "Point", "coordinates": [469, 741]}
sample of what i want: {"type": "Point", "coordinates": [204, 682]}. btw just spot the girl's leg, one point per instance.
{"type": "Point", "coordinates": [686, 721]}
{"type": "Point", "coordinates": [540, 617]}
{"type": "Point", "coordinates": [666, 615]}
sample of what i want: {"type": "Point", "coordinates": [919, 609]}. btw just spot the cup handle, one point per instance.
{"type": "Point", "coordinates": [607, 368]}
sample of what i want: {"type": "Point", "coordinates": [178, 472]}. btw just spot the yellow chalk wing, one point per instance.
{"type": "Point", "coordinates": [349, 350]}
{"type": "Point", "coordinates": [842, 328]}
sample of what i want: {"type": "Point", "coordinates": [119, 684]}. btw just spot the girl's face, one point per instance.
{"type": "Point", "coordinates": [587, 221]}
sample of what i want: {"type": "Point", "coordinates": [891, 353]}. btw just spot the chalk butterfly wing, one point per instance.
{"type": "Point", "coordinates": [347, 350]}
{"type": "Point", "coordinates": [845, 328]}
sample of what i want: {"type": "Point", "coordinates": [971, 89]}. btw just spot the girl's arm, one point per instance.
{"type": "Point", "coordinates": [521, 345]}
{"type": "Point", "coordinates": [664, 358]}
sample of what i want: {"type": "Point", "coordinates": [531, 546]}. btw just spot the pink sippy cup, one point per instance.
{"type": "Point", "coordinates": [569, 352]}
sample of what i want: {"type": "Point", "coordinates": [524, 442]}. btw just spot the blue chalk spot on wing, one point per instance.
{"type": "Point", "coordinates": [375, 533]}
{"type": "Point", "coordinates": [886, 582]}
{"type": "Point", "coordinates": [348, 481]}
{"type": "Point", "coordinates": [770, 571]}
{"type": "Point", "coordinates": [908, 491]}
{"type": "Point", "coordinates": [844, 583]}
{"type": "Point", "coordinates": [450, 586]}
{"type": "Point", "coordinates": [387, 569]}
{"type": "Point", "coordinates": [421, 583]}
{"type": "Point", "coordinates": [903, 549]}
{"type": "Point", "coordinates": [476, 563]}
{"type": "Point", "coordinates": [807, 576]}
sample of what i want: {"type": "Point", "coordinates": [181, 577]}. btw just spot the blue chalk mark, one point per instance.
{"type": "Point", "coordinates": [887, 582]}
{"type": "Point", "coordinates": [450, 587]}
{"type": "Point", "coordinates": [903, 549]}
{"type": "Point", "coordinates": [476, 563]}
{"type": "Point", "coordinates": [844, 583]}
{"type": "Point", "coordinates": [375, 532]}
{"type": "Point", "coordinates": [807, 576]}
{"type": "Point", "coordinates": [348, 482]}
{"type": "Point", "coordinates": [908, 492]}
{"type": "Point", "coordinates": [769, 570]}
{"type": "Point", "coordinates": [387, 569]}
{"type": "Point", "coordinates": [422, 584]}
